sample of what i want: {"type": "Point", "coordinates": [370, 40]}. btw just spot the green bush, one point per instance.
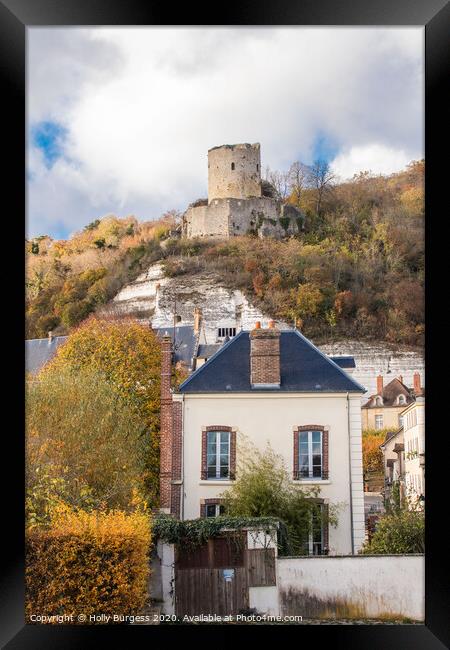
{"type": "Point", "coordinates": [397, 533]}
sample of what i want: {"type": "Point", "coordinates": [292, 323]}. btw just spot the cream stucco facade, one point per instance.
{"type": "Point", "coordinates": [414, 443]}
{"type": "Point", "coordinates": [271, 418]}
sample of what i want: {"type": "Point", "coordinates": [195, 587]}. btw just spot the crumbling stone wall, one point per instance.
{"type": "Point", "coordinates": [262, 216]}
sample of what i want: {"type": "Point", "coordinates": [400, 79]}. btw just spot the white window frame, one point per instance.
{"type": "Point", "coordinates": [377, 417]}
{"type": "Point", "coordinates": [216, 507]}
{"type": "Point", "coordinates": [310, 455]}
{"type": "Point", "coordinates": [311, 542]}
{"type": "Point", "coordinates": [218, 435]}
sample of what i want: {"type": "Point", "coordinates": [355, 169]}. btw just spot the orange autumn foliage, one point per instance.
{"type": "Point", "coordinates": [88, 563]}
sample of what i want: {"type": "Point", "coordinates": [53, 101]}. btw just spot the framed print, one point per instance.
{"type": "Point", "coordinates": [227, 322]}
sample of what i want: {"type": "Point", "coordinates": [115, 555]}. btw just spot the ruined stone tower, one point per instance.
{"type": "Point", "coordinates": [236, 204]}
{"type": "Point", "coordinates": [234, 171]}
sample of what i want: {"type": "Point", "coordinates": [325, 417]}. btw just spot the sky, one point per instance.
{"type": "Point", "coordinates": [119, 120]}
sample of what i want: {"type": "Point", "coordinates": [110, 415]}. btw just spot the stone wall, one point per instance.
{"type": "Point", "coordinates": [231, 217]}
{"type": "Point", "coordinates": [364, 586]}
{"type": "Point", "coordinates": [234, 171]}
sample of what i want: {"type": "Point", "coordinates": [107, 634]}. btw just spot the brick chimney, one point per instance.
{"type": "Point", "coordinates": [417, 385]}
{"type": "Point", "coordinates": [265, 356]}
{"type": "Point", "coordinates": [379, 384]}
{"type": "Point", "coordinates": [165, 452]}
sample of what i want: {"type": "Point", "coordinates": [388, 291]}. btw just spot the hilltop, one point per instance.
{"type": "Point", "coordinates": [355, 270]}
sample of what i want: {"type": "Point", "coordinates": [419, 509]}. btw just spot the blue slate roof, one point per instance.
{"type": "Point", "coordinates": [39, 351]}
{"type": "Point", "coordinates": [344, 362]}
{"type": "Point", "coordinates": [185, 342]}
{"type": "Point", "coordinates": [303, 367]}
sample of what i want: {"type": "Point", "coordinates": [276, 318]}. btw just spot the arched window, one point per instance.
{"type": "Point", "coordinates": [232, 166]}
{"type": "Point", "coordinates": [378, 401]}
{"type": "Point", "coordinates": [401, 399]}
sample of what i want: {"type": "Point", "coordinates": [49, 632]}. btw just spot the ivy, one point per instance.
{"type": "Point", "coordinates": [196, 532]}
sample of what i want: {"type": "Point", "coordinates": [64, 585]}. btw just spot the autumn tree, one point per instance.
{"type": "Point", "coordinates": [321, 178]}
{"type": "Point", "coordinates": [128, 356]}
{"type": "Point", "coordinates": [85, 444]}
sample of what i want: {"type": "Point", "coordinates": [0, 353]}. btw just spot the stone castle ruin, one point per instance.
{"type": "Point", "coordinates": [239, 203]}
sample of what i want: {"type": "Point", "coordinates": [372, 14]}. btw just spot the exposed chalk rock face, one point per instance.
{"type": "Point", "coordinates": [153, 297]}
{"type": "Point", "coordinates": [373, 359]}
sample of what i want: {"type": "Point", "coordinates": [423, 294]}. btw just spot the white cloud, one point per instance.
{"type": "Point", "coordinates": [143, 105]}
{"type": "Point", "coordinates": [375, 158]}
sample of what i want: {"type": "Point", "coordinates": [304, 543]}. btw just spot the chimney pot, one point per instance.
{"type": "Point", "coordinates": [271, 324]}
{"type": "Point", "coordinates": [258, 325]}
{"type": "Point", "coordinates": [379, 384]}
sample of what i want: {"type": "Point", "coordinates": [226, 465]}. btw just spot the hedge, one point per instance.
{"type": "Point", "coordinates": [88, 563]}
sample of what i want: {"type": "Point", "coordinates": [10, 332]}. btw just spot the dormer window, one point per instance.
{"type": "Point", "coordinates": [401, 399]}
{"type": "Point", "coordinates": [378, 401]}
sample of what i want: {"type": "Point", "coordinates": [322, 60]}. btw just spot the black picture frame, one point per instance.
{"type": "Point", "coordinates": [15, 17]}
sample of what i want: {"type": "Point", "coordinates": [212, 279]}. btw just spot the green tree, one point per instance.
{"type": "Point", "coordinates": [263, 488]}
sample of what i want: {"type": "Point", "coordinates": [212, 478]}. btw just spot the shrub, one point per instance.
{"type": "Point", "coordinates": [88, 563]}
{"type": "Point", "coordinates": [400, 532]}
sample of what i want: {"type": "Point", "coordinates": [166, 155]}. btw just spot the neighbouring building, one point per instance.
{"type": "Point", "coordinates": [384, 409]}
{"type": "Point", "coordinates": [404, 452]}
{"type": "Point", "coordinates": [264, 386]}
{"type": "Point", "coordinates": [237, 202]}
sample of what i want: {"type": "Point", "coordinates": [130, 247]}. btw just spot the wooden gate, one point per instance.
{"type": "Point", "coordinates": [215, 578]}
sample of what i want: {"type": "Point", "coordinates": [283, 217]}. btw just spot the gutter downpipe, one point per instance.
{"type": "Point", "coordinates": [350, 474]}
{"type": "Point", "coordinates": [182, 459]}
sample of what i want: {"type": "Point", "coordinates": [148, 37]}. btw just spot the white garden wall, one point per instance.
{"type": "Point", "coordinates": [365, 586]}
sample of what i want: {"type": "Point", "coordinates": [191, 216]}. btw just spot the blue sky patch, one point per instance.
{"type": "Point", "coordinates": [49, 137]}
{"type": "Point", "coordinates": [324, 147]}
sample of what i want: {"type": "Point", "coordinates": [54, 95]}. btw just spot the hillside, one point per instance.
{"type": "Point", "coordinates": [356, 270]}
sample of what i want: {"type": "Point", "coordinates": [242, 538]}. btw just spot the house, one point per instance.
{"type": "Point", "coordinates": [264, 386]}
{"type": "Point", "coordinates": [384, 409]}
{"type": "Point", "coordinates": [404, 451]}
{"type": "Point", "coordinates": [392, 449]}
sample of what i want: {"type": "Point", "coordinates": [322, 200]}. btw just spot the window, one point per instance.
{"type": "Point", "coordinates": [257, 167]}
{"type": "Point", "coordinates": [316, 542]}
{"type": "Point", "coordinates": [379, 401]}
{"type": "Point", "coordinates": [214, 510]}
{"type": "Point", "coordinates": [218, 454]}
{"type": "Point", "coordinates": [400, 420]}
{"type": "Point", "coordinates": [232, 166]}
{"type": "Point", "coordinates": [310, 454]}
{"type": "Point", "coordinates": [378, 422]}
{"type": "Point", "coordinates": [222, 332]}
{"type": "Point", "coordinates": [401, 399]}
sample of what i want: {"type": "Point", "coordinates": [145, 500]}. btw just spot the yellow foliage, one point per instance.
{"type": "Point", "coordinates": [88, 563]}
{"type": "Point", "coordinates": [129, 356]}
